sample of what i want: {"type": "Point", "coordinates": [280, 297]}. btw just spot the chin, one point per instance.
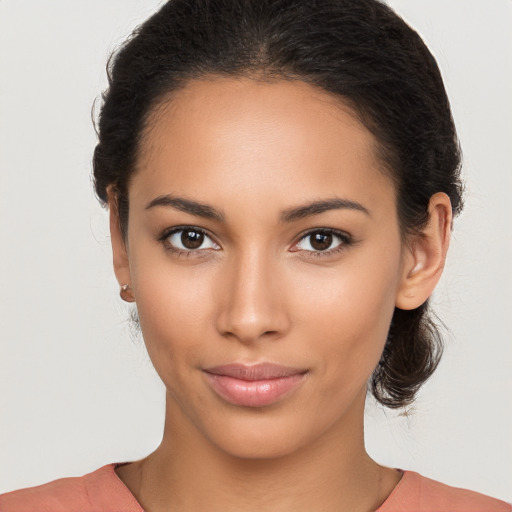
{"type": "Point", "coordinates": [260, 437]}
{"type": "Point", "coordinates": [247, 448]}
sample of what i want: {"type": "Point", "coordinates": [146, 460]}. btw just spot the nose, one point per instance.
{"type": "Point", "coordinates": [252, 306]}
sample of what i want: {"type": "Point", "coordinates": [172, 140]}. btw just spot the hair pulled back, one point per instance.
{"type": "Point", "coordinates": [358, 50]}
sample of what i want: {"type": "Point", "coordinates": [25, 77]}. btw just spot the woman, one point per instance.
{"type": "Point", "coordinates": [281, 179]}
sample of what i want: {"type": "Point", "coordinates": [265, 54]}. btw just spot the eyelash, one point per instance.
{"type": "Point", "coordinates": [346, 241]}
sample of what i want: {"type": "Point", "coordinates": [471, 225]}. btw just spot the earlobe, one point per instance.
{"type": "Point", "coordinates": [426, 255]}
{"type": "Point", "coordinates": [119, 249]}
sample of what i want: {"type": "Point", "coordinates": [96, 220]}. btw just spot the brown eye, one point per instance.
{"type": "Point", "coordinates": [321, 241]}
{"type": "Point", "coordinates": [191, 239]}
{"type": "Point", "coordinates": [188, 239]}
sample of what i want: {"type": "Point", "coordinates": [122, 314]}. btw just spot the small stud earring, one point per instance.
{"type": "Point", "coordinates": [126, 293]}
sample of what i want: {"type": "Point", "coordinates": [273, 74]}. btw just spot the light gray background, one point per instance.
{"type": "Point", "coordinates": [76, 392]}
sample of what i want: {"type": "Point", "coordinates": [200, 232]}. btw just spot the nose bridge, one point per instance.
{"type": "Point", "coordinates": [252, 306]}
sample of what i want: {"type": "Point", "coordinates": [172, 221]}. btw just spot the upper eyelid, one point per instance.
{"type": "Point", "coordinates": [334, 231]}
{"type": "Point", "coordinates": [168, 232]}
{"type": "Point", "coordinates": [343, 235]}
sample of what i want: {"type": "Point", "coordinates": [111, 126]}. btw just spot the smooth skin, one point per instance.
{"type": "Point", "coordinates": [256, 288]}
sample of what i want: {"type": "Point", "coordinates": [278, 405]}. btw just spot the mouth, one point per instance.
{"type": "Point", "coordinates": [255, 385]}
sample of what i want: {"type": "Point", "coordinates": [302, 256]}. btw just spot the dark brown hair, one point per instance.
{"type": "Point", "coordinates": [358, 50]}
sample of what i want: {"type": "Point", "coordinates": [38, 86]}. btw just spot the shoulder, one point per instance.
{"type": "Point", "coordinates": [98, 491]}
{"type": "Point", "coordinates": [420, 494]}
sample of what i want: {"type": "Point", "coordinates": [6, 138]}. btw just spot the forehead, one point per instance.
{"type": "Point", "coordinates": [220, 137]}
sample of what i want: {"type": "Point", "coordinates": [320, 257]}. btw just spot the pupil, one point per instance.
{"type": "Point", "coordinates": [321, 241]}
{"type": "Point", "coordinates": [192, 239]}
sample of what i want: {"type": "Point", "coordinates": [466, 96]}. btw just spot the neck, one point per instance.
{"type": "Point", "coordinates": [189, 473]}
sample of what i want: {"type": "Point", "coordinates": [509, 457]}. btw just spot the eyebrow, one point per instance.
{"type": "Point", "coordinates": [187, 206]}
{"type": "Point", "coordinates": [316, 207]}
{"type": "Point", "coordinates": [288, 215]}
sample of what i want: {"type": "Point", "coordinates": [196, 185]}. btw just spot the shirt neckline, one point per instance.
{"type": "Point", "coordinates": [406, 475]}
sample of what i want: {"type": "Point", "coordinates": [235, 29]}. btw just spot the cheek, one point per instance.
{"type": "Point", "coordinates": [346, 318]}
{"type": "Point", "coordinates": [173, 306]}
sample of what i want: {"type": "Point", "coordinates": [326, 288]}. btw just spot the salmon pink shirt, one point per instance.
{"type": "Point", "coordinates": [103, 491]}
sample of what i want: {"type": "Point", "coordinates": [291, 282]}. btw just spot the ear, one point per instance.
{"type": "Point", "coordinates": [119, 248]}
{"type": "Point", "coordinates": [425, 255]}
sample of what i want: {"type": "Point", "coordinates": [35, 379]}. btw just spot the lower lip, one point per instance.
{"type": "Point", "coordinates": [256, 393]}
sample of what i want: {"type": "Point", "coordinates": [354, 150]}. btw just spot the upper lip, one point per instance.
{"type": "Point", "coordinates": [260, 371]}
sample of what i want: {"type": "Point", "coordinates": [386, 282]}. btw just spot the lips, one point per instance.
{"type": "Point", "coordinates": [253, 385]}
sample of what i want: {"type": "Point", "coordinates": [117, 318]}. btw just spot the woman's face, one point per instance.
{"type": "Point", "coordinates": [262, 232]}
